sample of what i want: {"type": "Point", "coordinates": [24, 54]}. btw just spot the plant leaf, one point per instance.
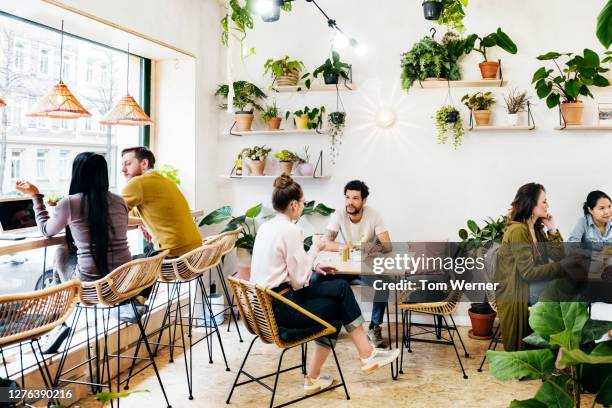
{"type": "Point", "coordinates": [553, 100]}
{"type": "Point", "coordinates": [530, 403]}
{"type": "Point", "coordinates": [551, 396]}
{"type": "Point", "coordinates": [323, 210]}
{"type": "Point", "coordinates": [505, 43]}
{"type": "Point", "coordinates": [594, 329]}
{"type": "Point", "coordinates": [530, 364]}
{"type": "Point", "coordinates": [107, 396]}
{"type": "Point", "coordinates": [591, 59]}
{"type": "Point", "coordinates": [602, 354]}
{"type": "Point", "coordinates": [604, 25]}
{"type": "Point", "coordinates": [540, 74]}
{"type": "Point", "coordinates": [604, 396]}
{"type": "Point", "coordinates": [534, 339]}
{"type": "Point", "coordinates": [463, 234]}
{"type": "Point", "coordinates": [549, 56]}
{"type": "Point", "coordinates": [473, 226]}
{"type": "Point", "coordinates": [253, 212]}
{"type": "Point", "coordinates": [217, 216]}
{"type": "Point", "coordinates": [549, 318]}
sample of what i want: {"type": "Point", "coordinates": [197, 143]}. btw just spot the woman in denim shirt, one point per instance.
{"type": "Point", "coordinates": [596, 226]}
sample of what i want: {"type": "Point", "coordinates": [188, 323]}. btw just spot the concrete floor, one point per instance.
{"type": "Point", "coordinates": [431, 378]}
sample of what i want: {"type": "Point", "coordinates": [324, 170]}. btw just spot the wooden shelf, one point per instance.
{"type": "Point", "coordinates": [349, 86]}
{"type": "Point", "coordinates": [268, 177]}
{"type": "Point", "coordinates": [500, 128]}
{"type": "Point", "coordinates": [482, 83]}
{"type": "Point", "coordinates": [584, 127]}
{"type": "Point", "coordinates": [277, 132]}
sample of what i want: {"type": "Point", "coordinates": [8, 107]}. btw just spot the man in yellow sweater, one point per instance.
{"type": "Point", "coordinates": [158, 201]}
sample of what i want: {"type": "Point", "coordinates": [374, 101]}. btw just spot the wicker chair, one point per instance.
{"type": "Point", "coordinates": [176, 273]}
{"type": "Point", "coordinates": [228, 240]}
{"type": "Point", "coordinates": [25, 317]}
{"type": "Point", "coordinates": [255, 306]}
{"type": "Point", "coordinates": [120, 286]}
{"type": "Point", "coordinates": [439, 311]}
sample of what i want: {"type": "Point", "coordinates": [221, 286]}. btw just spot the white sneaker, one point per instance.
{"type": "Point", "coordinates": [312, 385]}
{"type": "Point", "coordinates": [379, 358]}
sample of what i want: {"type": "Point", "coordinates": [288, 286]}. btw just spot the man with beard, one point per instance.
{"type": "Point", "coordinates": [359, 223]}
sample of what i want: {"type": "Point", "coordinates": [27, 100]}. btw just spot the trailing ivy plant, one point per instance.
{"type": "Point", "coordinates": [335, 130]}
{"type": "Point", "coordinates": [452, 14]}
{"type": "Point", "coordinates": [242, 20]}
{"type": "Point", "coordinates": [443, 126]}
{"type": "Point", "coordinates": [568, 361]}
{"type": "Point", "coordinates": [567, 84]}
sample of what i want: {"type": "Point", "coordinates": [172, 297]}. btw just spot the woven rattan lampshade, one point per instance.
{"type": "Point", "coordinates": [2, 103]}
{"type": "Point", "coordinates": [60, 103]}
{"type": "Point", "coordinates": [127, 112]}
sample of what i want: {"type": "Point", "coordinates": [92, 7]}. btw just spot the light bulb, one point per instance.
{"type": "Point", "coordinates": [263, 7]}
{"type": "Point", "coordinates": [340, 41]}
{"type": "Point", "coordinates": [385, 118]}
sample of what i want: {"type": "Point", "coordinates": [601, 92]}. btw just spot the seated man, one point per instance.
{"type": "Point", "coordinates": [358, 223]}
{"type": "Point", "coordinates": [158, 201]}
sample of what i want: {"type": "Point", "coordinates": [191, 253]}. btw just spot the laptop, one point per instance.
{"type": "Point", "coordinates": [17, 219]}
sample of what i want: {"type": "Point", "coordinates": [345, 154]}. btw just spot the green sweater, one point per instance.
{"type": "Point", "coordinates": [517, 265]}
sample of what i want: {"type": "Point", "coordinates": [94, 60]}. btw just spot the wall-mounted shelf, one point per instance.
{"type": "Point", "coordinates": [278, 132]}
{"type": "Point", "coordinates": [584, 127]}
{"type": "Point", "coordinates": [268, 177]}
{"type": "Point", "coordinates": [482, 83]}
{"type": "Point", "coordinates": [349, 86]}
{"type": "Point", "coordinates": [500, 128]}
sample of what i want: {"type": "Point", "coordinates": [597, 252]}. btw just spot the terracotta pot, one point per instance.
{"type": "Point", "coordinates": [483, 117]}
{"type": "Point", "coordinates": [274, 124]}
{"type": "Point", "coordinates": [244, 120]}
{"type": "Point", "coordinates": [244, 263]}
{"type": "Point", "coordinates": [290, 78]}
{"type": "Point", "coordinates": [307, 169]}
{"type": "Point", "coordinates": [513, 119]}
{"type": "Point", "coordinates": [51, 203]}
{"type": "Point", "coordinates": [286, 167]}
{"type": "Point", "coordinates": [572, 112]}
{"type": "Point", "coordinates": [488, 69]}
{"type": "Point", "coordinates": [301, 122]}
{"type": "Point", "coordinates": [257, 167]}
{"type": "Point", "coordinates": [482, 324]}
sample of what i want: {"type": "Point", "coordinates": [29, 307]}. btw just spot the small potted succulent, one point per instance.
{"type": "Point", "coordinates": [489, 69]}
{"type": "Point", "coordinates": [246, 101]}
{"type": "Point", "coordinates": [307, 118]}
{"type": "Point", "coordinates": [306, 167]}
{"type": "Point", "coordinates": [284, 71]}
{"type": "Point", "coordinates": [257, 159]}
{"type": "Point", "coordinates": [479, 104]}
{"type": "Point", "coordinates": [287, 159]}
{"type": "Point", "coordinates": [448, 119]}
{"type": "Point", "coordinates": [515, 102]}
{"type": "Point", "coordinates": [333, 69]}
{"type": "Point", "coordinates": [432, 9]}
{"type": "Point", "coordinates": [53, 198]}
{"type": "Point", "coordinates": [271, 116]}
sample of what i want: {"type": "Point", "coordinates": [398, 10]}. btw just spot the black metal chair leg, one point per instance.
{"type": "Point", "coordinates": [459, 335]}
{"type": "Point", "coordinates": [148, 348]}
{"type": "Point", "coordinates": [401, 367]}
{"type": "Point", "coordinates": [230, 300]}
{"type": "Point", "coordinates": [229, 397]}
{"type": "Point", "coordinates": [188, 364]}
{"type": "Point", "coordinates": [331, 344]}
{"type": "Point", "coordinates": [409, 329]}
{"type": "Point", "coordinates": [280, 362]}
{"type": "Point", "coordinates": [493, 340]}
{"type": "Point", "coordinates": [454, 347]}
{"type": "Point", "coordinates": [214, 322]}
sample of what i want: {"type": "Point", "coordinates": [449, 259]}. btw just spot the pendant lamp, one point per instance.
{"type": "Point", "coordinates": [60, 103]}
{"type": "Point", "coordinates": [127, 112]}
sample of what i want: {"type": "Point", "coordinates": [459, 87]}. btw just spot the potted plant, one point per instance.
{"type": "Point", "coordinates": [333, 69]}
{"type": "Point", "coordinates": [452, 14]}
{"type": "Point", "coordinates": [515, 102]}
{"type": "Point", "coordinates": [307, 118]}
{"type": "Point", "coordinates": [257, 158]}
{"type": "Point", "coordinates": [477, 239]}
{"type": "Point", "coordinates": [271, 116]}
{"type": "Point", "coordinates": [489, 69]}
{"type": "Point", "coordinates": [432, 9]}
{"type": "Point", "coordinates": [431, 60]}
{"type": "Point", "coordinates": [246, 95]}
{"type": "Point", "coordinates": [335, 126]}
{"type": "Point", "coordinates": [448, 119]}
{"type": "Point", "coordinates": [479, 104]}
{"type": "Point", "coordinates": [53, 198]}
{"type": "Point", "coordinates": [306, 167]}
{"type": "Point", "coordinates": [565, 87]}
{"type": "Point", "coordinates": [286, 159]}
{"type": "Point", "coordinates": [284, 71]}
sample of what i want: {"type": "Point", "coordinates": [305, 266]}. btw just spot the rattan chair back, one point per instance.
{"type": "Point", "coordinates": [193, 264]}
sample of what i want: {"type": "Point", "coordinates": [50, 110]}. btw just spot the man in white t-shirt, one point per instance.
{"type": "Point", "coordinates": [358, 223]}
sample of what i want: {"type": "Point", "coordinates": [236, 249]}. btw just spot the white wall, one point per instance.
{"type": "Point", "coordinates": [425, 190]}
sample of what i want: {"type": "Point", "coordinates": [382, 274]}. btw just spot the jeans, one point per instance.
{"type": "Point", "coordinates": [380, 297]}
{"type": "Point", "coordinates": [332, 301]}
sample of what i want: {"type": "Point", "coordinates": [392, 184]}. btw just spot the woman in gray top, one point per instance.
{"type": "Point", "coordinates": [95, 219]}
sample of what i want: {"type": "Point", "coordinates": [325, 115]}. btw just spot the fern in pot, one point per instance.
{"type": "Point", "coordinates": [271, 116]}
{"type": "Point", "coordinates": [246, 101]}
{"type": "Point", "coordinates": [515, 102]}
{"type": "Point", "coordinates": [257, 158]}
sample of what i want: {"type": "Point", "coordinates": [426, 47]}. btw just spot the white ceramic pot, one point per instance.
{"type": "Point", "coordinates": [307, 169]}
{"type": "Point", "coordinates": [513, 119]}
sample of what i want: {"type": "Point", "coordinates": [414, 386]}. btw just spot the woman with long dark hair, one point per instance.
{"type": "Point", "coordinates": [596, 224]}
{"type": "Point", "coordinates": [95, 219]}
{"type": "Point", "coordinates": [524, 261]}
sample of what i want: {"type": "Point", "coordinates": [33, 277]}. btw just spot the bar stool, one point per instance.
{"type": "Point", "coordinates": [26, 317]}
{"type": "Point", "coordinates": [228, 240]}
{"type": "Point", "coordinates": [119, 287]}
{"type": "Point", "coordinates": [176, 273]}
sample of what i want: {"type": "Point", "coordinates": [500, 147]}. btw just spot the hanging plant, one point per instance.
{"type": "Point", "coordinates": [452, 14]}
{"type": "Point", "coordinates": [336, 122]}
{"type": "Point", "coordinates": [448, 119]}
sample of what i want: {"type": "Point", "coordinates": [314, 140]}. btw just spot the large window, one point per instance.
{"type": "Point", "coordinates": [44, 61]}
{"type": "Point", "coordinates": [15, 165]}
{"type": "Point", "coordinates": [41, 164]}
